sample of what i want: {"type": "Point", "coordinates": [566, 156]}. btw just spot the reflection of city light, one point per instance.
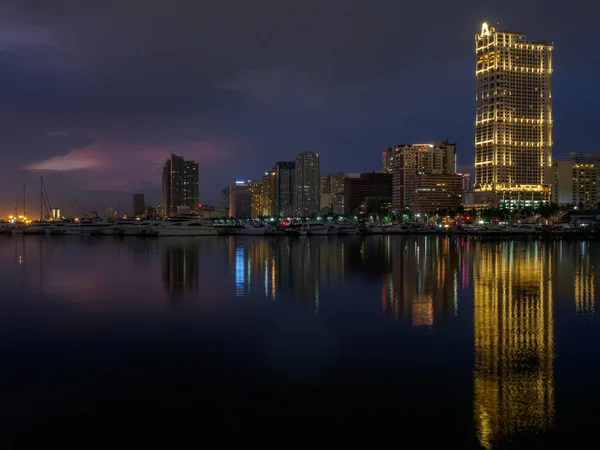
{"type": "Point", "coordinates": [514, 340]}
{"type": "Point", "coordinates": [584, 286]}
{"type": "Point", "coordinates": [455, 291]}
{"type": "Point", "coordinates": [273, 281]}
{"type": "Point", "coordinates": [422, 311]}
{"type": "Point", "coordinates": [249, 272]}
{"type": "Point", "coordinates": [239, 271]}
{"type": "Point", "coordinates": [266, 278]}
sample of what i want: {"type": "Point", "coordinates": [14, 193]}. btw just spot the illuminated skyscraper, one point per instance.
{"type": "Point", "coordinates": [513, 124]}
{"type": "Point", "coordinates": [269, 192]}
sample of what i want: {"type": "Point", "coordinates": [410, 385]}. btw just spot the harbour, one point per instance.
{"type": "Point", "coordinates": [198, 227]}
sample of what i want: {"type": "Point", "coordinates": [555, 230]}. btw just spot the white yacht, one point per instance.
{"type": "Point", "coordinates": [34, 228]}
{"type": "Point", "coordinates": [6, 227]}
{"type": "Point", "coordinates": [347, 228]}
{"type": "Point", "coordinates": [253, 230]}
{"type": "Point", "coordinates": [136, 228]}
{"type": "Point", "coordinates": [371, 228]}
{"type": "Point", "coordinates": [193, 227]}
{"type": "Point", "coordinates": [114, 229]}
{"type": "Point", "coordinates": [83, 227]}
{"type": "Point", "coordinates": [524, 228]}
{"type": "Point", "coordinates": [398, 228]}
{"type": "Point", "coordinates": [493, 229]}
{"type": "Point", "coordinates": [320, 229]}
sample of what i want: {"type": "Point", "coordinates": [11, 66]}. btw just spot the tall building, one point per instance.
{"type": "Point", "coordinates": [269, 192]}
{"type": "Point", "coordinates": [467, 181]}
{"type": "Point", "coordinates": [575, 183]}
{"type": "Point", "coordinates": [387, 160]}
{"type": "Point", "coordinates": [437, 193]}
{"type": "Point", "coordinates": [306, 199]}
{"type": "Point", "coordinates": [179, 185]}
{"type": "Point", "coordinates": [139, 205]}
{"type": "Point", "coordinates": [284, 188]}
{"type": "Point", "coordinates": [368, 185]}
{"type": "Point", "coordinates": [331, 193]}
{"type": "Point", "coordinates": [246, 199]}
{"type": "Point", "coordinates": [240, 200]}
{"type": "Point", "coordinates": [411, 160]}
{"type": "Point", "coordinates": [513, 123]}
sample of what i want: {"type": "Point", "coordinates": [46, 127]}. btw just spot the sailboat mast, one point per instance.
{"type": "Point", "coordinates": [41, 199]}
{"type": "Point", "coordinates": [24, 213]}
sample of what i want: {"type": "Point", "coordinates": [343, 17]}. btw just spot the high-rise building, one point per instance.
{"type": "Point", "coordinates": [306, 199]}
{"type": "Point", "coordinates": [368, 185]}
{"type": "Point", "coordinates": [575, 183]}
{"type": "Point", "coordinates": [284, 188]}
{"type": "Point", "coordinates": [466, 181]}
{"type": "Point", "coordinates": [513, 122]}
{"type": "Point", "coordinates": [435, 193]}
{"type": "Point", "coordinates": [246, 199]}
{"type": "Point", "coordinates": [331, 193]}
{"type": "Point", "coordinates": [269, 192]}
{"type": "Point", "coordinates": [387, 160]}
{"type": "Point", "coordinates": [240, 200]}
{"type": "Point", "coordinates": [179, 185]}
{"type": "Point", "coordinates": [409, 161]}
{"type": "Point", "coordinates": [138, 204]}
{"type": "Point", "coordinates": [325, 193]}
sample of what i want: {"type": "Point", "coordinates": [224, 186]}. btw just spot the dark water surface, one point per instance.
{"type": "Point", "coordinates": [425, 342]}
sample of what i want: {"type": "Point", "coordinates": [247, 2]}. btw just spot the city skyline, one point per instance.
{"type": "Point", "coordinates": [100, 128]}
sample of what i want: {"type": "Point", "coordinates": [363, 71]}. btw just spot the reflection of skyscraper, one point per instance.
{"type": "Point", "coordinates": [584, 288]}
{"type": "Point", "coordinates": [254, 265]}
{"type": "Point", "coordinates": [514, 340]}
{"type": "Point", "coordinates": [425, 278]}
{"type": "Point", "coordinates": [180, 268]}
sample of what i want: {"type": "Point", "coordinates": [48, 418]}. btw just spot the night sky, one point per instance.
{"type": "Point", "coordinates": [95, 94]}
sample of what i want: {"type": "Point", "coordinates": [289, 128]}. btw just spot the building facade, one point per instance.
{"type": "Point", "coordinates": [368, 185]}
{"type": "Point", "coordinates": [467, 182]}
{"type": "Point", "coordinates": [575, 184]}
{"type": "Point", "coordinates": [179, 185]}
{"type": "Point", "coordinates": [246, 199]}
{"type": "Point", "coordinates": [437, 193]}
{"type": "Point", "coordinates": [284, 188]}
{"type": "Point", "coordinates": [411, 160]}
{"type": "Point", "coordinates": [269, 192]}
{"type": "Point", "coordinates": [513, 122]}
{"type": "Point", "coordinates": [138, 205]}
{"type": "Point", "coordinates": [240, 200]}
{"type": "Point", "coordinates": [332, 193]}
{"type": "Point", "coordinates": [306, 180]}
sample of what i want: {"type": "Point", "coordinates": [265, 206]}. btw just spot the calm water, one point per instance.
{"type": "Point", "coordinates": [437, 342]}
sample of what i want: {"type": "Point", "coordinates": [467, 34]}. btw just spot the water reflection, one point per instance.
{"type": "Point", "coordinates": [512, 289]}
{"type": "Point", "coordinates": [420, 276]}
{"type": "Point", "coordinates": [180, 268]}
{"type": "Point", "coordinates": [514, 340]}
{"type": "Point", "coordinates": [298, 268]}
{"type": "Point", "coordinates": [584, 286]}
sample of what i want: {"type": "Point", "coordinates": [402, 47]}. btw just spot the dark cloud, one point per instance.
{"type": "Point", "coordinates": [257, 81]}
